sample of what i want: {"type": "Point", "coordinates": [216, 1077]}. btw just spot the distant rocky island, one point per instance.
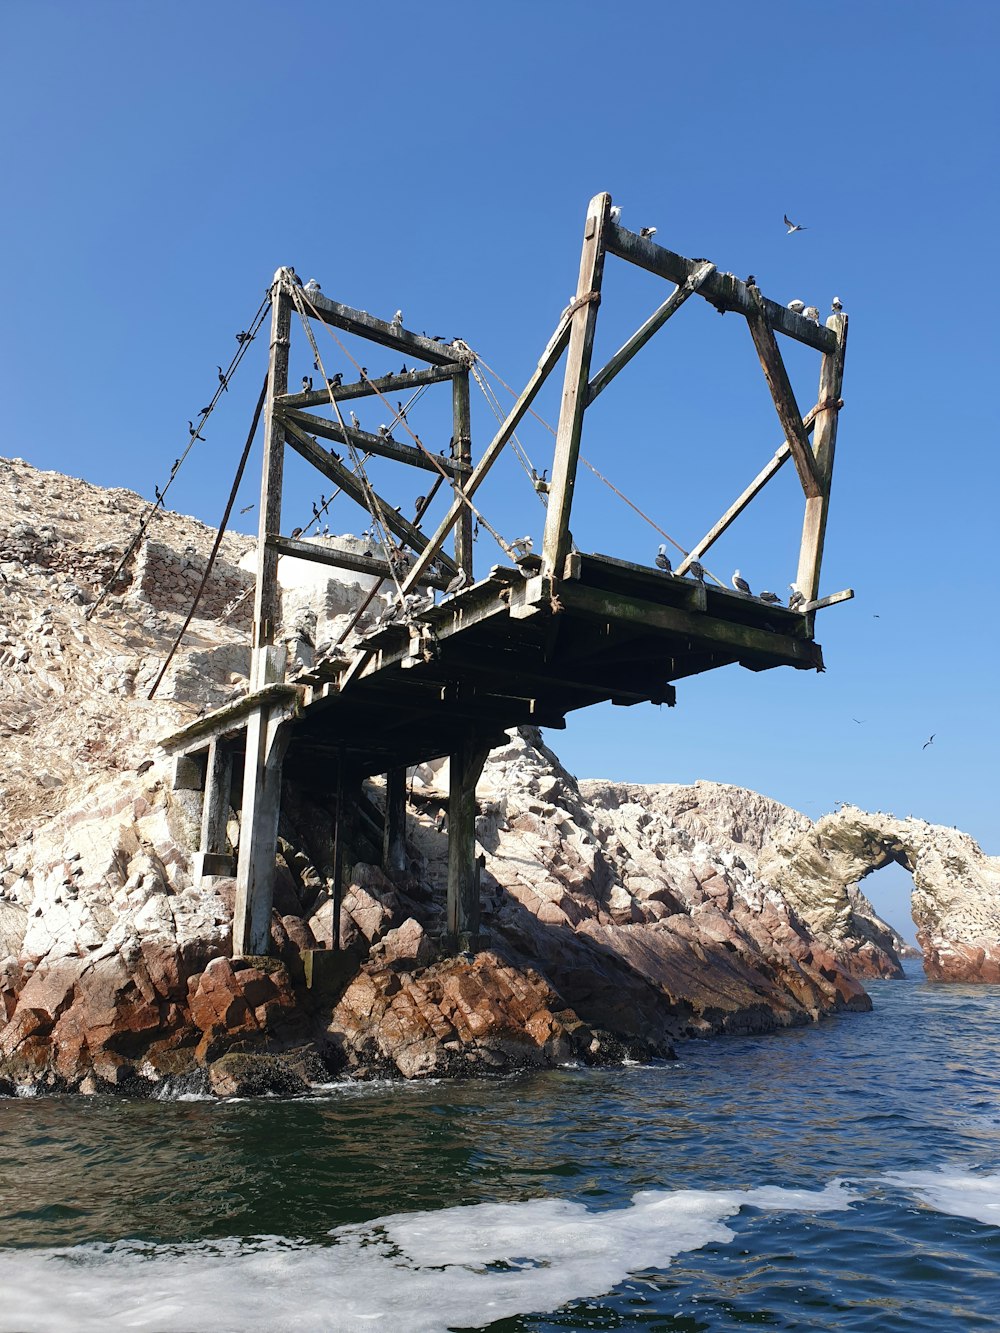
{"type": "Point", "coordinates": [618, 919]}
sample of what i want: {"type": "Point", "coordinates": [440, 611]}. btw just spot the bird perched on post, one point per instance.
{"type": "Point", "coordinates": [615, 214]}
{"type": "Point", "coordinates": [307, 383]}
{"type": "Point", "coordinates": [457, 582]}
{"type": "Point", "coordinates": [355, 422]}
{"type": "Point", "coordinates": [697, 571]}
{"type": "Point", "coordinates": [836, 305]}
{"type": "Point", "coordinates": [521, 547]}
{"type": "Point", "coordinates": [740, 584]}
{"type": "Point", "coordinates": [797, 599]}
{"type": "Point", "coordinates": [793, 226]}
{"type": "Point", "coordinates": [335, 381]}
{"type": "Point", "coordinates": [312, 286]}
{"type": "Point", "coordinates": [397, 321]}
{"type": "Point", "coordinates": [663, 560]}
{"type": "Point", "coordinates": [771, 598]}
{"type": "Point", "coordinates": [540, 483]}
{"type": "Point", "coordinates": [797, 307]}
{"type": "Point", "coordinates": [647, 232]}
{"type": "Point", "coordinates": [812, 313]}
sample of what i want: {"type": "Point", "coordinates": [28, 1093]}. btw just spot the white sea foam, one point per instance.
{"type": "Point", "coordinates": [959, 1193]}
{"type": "Point", "coordinates": [463, 1266]}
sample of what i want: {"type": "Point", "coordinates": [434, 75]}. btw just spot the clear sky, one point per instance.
{"type": "Point", "coordinates": [161, 161]}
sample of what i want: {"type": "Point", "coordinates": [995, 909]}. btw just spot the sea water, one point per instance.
{"type": "Point", "coordinates": [845, 1175]}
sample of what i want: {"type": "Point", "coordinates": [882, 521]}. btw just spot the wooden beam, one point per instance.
{"type": "Point", "coordinates": [641, 337]}
{"type": "Point", "coordinates": [378, 331]}
{"type": "Point", "coordinates": [376, 444]}
{"type": "Point", "coordinates": [230, 719]}
{"type": "Point", "coordinates": [553, 351]}
{"type": "Point", "coordinates": [461, 432]}
{"type": "Point", "coordinates": [266, 594]}
{"type": "Point", "coordinates": [218, 786]}
{"type": "Point", "coordinates": [831, 381]}
{"type": "Point", "coordinates": [268, 734]}
{"type": "Point", "coordinates": [381, 384]}
{"type": "Point", "coordinates": [781, 391]}
{"type": "Point", "coordinates": [307, 448]}
{"type": "Point", "coordinates": [465, 766]}
{"type": "Point", "coordinates": [722, 290]}
{"type": "Point", "coordinates": [832, 600]}
{"type": "Point", "coordinates": [325, 555]}
{"type": "Point", "coordinates": [556, 538]}
{"type": "Point", "coordinates": [781, 456]}
{"type": "Point", "coordinates": [687, 624]}
{"type": "Point", "coordinates": [394, 838]}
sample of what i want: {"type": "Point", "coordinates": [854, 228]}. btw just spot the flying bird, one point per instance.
{"type": "Point", "coordinates": [797, 306]}
{"type": "Point", "coordinates": [740, 583]}
{"type": "Point", "coordinates": [793, 226]}
{"type": "Point", "coordinates": [246, 509]}
{"type": "Point", "coordinates": [929, 742]}
{"type": "Point", "coordinates": [663, 560]}
{"type": "Point", "coordinates": [836, 305]}
{"type": "Point", "coordinates": [647, 232]}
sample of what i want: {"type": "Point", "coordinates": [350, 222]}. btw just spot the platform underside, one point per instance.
{"type": "Point", "coordinates": [510, 651]}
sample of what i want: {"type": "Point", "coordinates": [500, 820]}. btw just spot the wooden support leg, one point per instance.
{"type": "Point", "coordinates": [394, 842]}
{"type": "Point", "coordinates": [212, 858]}
{"type": "Point", "coordinates": [831, 380]}
{"type": "Point", "coordinates": [556, 541]}
{"type": "Point", "coordinates": [267, 740]}
{"type": "Point", "coordinates": [466, 765]}
{"type": "Point", "coordinates": [462, 434]}
{"type": "Point", "coordinates": [339, 829]}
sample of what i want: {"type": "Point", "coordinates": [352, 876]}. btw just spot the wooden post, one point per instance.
{"type": "Point", "coordinates": [212, 858]}
{"type": "Point", "coordinates": [394, 841]}
{"type": "Point", "coordinates": [461, 430]}
{"type": "Point", "coordinates": [781, 392]}
{"type": "Point", "coordinates": [267, 736]}
{"type": "Point", "coordinates": [466, 765]}
{"type": "Point", "coordinates": [831, 379]}
{"type": "Point", "coordinates": [339, 829]}
{"type": "Point", "coordinates": [555, 543]}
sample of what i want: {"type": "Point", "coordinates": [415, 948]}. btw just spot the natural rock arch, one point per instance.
{"type": "Point", "coordinates": [955, 900]}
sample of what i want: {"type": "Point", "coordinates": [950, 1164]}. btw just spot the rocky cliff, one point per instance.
{"type": "Point", "coordinates": [617, 919]}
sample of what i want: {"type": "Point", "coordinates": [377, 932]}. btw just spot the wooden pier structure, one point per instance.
{"type": "Point", "coordinates": [527, 641]}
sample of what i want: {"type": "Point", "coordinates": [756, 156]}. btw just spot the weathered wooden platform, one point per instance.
{"type": "Point", "coordinates": [504, 652]}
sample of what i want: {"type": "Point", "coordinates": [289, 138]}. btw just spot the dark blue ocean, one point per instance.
{"type": "Point", "coordinates": [842, 1176]}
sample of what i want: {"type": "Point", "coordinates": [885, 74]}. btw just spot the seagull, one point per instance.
{"type": "Point", "coordinates": [457, 583]}
{"type": "Point", "coordinates": [647, 232]}
{"type": "Point", "coordinates": [540, 483]}
{"type": "Point", "coordinates": [797, 598]}
{"type": "Point", "coordinates": [771, 598]}
{"type": "Point", "coordinates": [836, 305]}
{"type": "Point", "coordinates": [312, 285]}
{"type": "Point", "coordinates": [222, 380]}
{"type": "Point", "coordinates": [246, 509]}
{"type": "Point", "coordinates": [793, 226]}
{"type": "Point", "coordinates": [928, 742]}
{"type": "Point", "coordinates": [697, 571]}
{"type": "Point", "coordinates": [355, 422]}
{"type": "Point", "coordinates": [521, 547]}
{"type": "Point", "coordinates": [616, 215]}
{"type": "Point", "coordinates": [797, 306]}
{"type": "Point", "coordinates": [307, 383]}
{"type": "Point", "coordinates": [663, 560]}
{"type": "Point", "coordinates": [193, 431]}
{"type": "Point", "coordinates": [812, 313]}
{"type": "Point", "coordinates": [740, 583]}
{"type": "Point", "coordinates": [397, 320]}
{"type": "Point", "coordinates": [294, 276]}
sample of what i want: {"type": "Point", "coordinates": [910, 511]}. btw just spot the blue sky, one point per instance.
{"type": "Point", "coordinates": [162, 161]}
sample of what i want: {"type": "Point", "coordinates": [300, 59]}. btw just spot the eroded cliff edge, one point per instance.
{"type": "Point", "coordinates": [618, 919]}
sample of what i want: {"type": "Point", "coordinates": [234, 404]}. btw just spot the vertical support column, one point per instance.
{"type": "Point", "coordinates": [267, 737]}
{"type": "Point", "coordinates": [339, 829]}
{"type": "Point", "coordinates": [555, 544]}
{"type": "Point", "coordinates": [831, 380]}
{"type": "Point", "coordinates": [212, 858]}
{"type": "Point", "coordinates": [394, 841]}
{"type": "Point", "coordinates": [466, 765]}
{"type": "Point", "coordinates": [461, 416]}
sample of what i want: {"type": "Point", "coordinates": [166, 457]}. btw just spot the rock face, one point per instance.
{"type": "Point", "coordinates": [617, 919]}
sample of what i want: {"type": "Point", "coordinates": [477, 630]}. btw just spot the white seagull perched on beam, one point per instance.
{"type": "Point", "coordinates": [311, 286]}
{"type": "Point", "coordinates": [837, 305]}
{"type": "Point", "coordinates": [740, 584]}
{"type": "Point", "coordinates": [796, 307]}
{"type": "Point", "coordinates": [793, 226]}
{"type": "Point", "coordinates": [397, 321]}
{"type": "Point", "coordinates": [647, 233]}
{"type": "Point", "coordinates": [616, 214]}
{"type": "Point", "coordinates": [663, 560]}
